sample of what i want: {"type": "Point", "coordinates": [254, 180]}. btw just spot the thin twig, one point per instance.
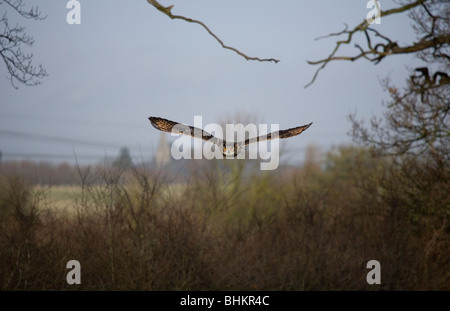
{"type": "Point", "coordinates": [168, 12]}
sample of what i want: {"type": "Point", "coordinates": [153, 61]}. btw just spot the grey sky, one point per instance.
{"type": "Point", "coordinates": [127, 61]}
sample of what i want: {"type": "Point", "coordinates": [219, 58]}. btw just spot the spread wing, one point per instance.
{"type": "Point", "coordinates": [179, 128]}
{"type": "Point", "coordinates": [281, 134]}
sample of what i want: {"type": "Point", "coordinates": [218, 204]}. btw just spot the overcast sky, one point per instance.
{"type": "Point", "coordinates": [127, 61]}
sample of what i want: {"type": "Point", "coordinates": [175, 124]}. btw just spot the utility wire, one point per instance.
{"type": "Point", "coordinates": [53, 156]}
{"type": "Point", "coordinates": [48, 138]}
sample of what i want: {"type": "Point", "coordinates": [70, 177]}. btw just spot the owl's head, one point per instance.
{"type": "Point", "coordinates": [230, 149]}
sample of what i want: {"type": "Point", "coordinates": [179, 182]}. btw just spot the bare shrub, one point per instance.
{"type": "Point", "coordinates": [311, 228]}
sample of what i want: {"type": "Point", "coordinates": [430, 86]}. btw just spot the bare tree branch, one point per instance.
{"type": "Point", "coordinates": [18, 64]}
{"type": "Point", "coordinates": [380, 50]}
{"type": "Point", "coordinates": [168, 12]}
{"type": "Point", "coordinates": [416, 119]}
{"type": "Point", "coordinates": [17, 5]}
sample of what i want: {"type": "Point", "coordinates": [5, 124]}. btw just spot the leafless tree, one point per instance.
{"type": "Point", "coordinates": [12, 38]}
{"type": "Point", "coordinates": [409, 125]}
{"type": "Point", "coordinates": [431, 20]}
{"type": "Point", "coordinates": [417, 116]}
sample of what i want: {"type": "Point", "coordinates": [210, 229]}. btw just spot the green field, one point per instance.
{"type": "Point", "coordinates": [62, 198]}
{"type": "Point", "coordinates": [65, 199]}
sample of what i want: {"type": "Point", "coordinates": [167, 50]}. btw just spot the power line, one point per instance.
{"type": "Point", "coordinates": [48, 138]}
{"type": "Point", "coordinates": [66, 120]}
{"type": "Point", "coordinates": [66, 157]}
{"type": "Point", "coordinates": [52, 156]}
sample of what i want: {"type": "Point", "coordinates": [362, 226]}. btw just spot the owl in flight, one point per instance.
{"type": "Point", "coordinates": [227, 148]}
